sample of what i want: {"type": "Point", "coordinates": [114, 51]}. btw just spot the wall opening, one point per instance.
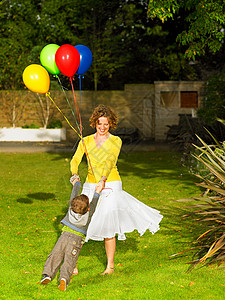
{"type": "Point", "coordinates": [169, 99]}
{"type": "Point", "coordinates": [189, 99]}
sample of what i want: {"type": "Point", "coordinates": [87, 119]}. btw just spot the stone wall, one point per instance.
{"type": "Point", "coordinates": [137, 106]}
{"type": "Point", "coordinates": [166, 116]}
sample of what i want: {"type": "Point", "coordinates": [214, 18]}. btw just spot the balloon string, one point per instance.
{"type": "Point", "coordinates": [67, 100]}
{"type": "Point", "coordinates": [48, 94]}
{"type": "Point", "coordinates": [77, 107]}
{"type": "Point", "coordinates": [86, 152]}
{"type": "Point", "coordinates": [80, 87]}
{"type": "Point", "coordinates": [79, 116]}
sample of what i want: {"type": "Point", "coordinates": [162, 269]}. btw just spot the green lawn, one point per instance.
{"type": "Point", "coordinates": [34, 190]}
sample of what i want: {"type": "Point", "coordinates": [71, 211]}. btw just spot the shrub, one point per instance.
{"type": "Point", "coordinates": [55, 124]}
{"type": "Point", "coordinates": [209, 210]}
{"type": "Point", "coordinates": [31, 126]}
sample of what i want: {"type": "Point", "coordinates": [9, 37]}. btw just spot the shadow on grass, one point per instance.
{"type": "Point", "coordinates": [184, 229]}
{"type": "Point", "coordinates": [97, 248]}
{"type": "Point", "coordinates": [24, 200]}
{"type": "Point", "coordinates": [66, 155]}
{"type": "Point", "coordinates": [145, 165]}
{"type": "Point", "coordinates": [180, 220]}
{"type": "Point", "coordinates": [36, 196]}
{"type": "Point", "coordinates": [41, 196]}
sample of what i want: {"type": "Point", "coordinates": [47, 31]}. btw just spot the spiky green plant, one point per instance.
{"type": "Point", "coordinates": [209, 212]}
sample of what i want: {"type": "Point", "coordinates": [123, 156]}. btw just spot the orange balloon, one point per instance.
{"type": "Point", "coordinates": [36, 79]}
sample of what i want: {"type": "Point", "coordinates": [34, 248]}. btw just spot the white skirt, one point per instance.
{"type": "Point", "coordinates": [118, 212]}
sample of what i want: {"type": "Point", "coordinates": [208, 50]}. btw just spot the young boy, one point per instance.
{"type": "Point", "coordinates": [68, 246]}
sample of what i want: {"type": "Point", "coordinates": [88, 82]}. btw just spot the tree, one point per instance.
{"type": "Point", "coordinates": [44, 109]}
{"type": "Point", "coordinates": [85, 22]}
{"type": "Point", "coordinates": [214, 100]}
{"type": "Point", "coordinates": [13, 106]}
{"type": "Point", "coordinates": [18, 31]}
{"type": "Point", "coordinates": [127, 46]}
{"type": "Point", "coordinates": [153, 51]}
{"type": "Point", "coordinates": [204, 21]}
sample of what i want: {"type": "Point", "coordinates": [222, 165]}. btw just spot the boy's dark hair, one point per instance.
{"type": "Point", "coordinates": [80, 204]}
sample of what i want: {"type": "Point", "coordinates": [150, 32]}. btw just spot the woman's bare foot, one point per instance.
{"type": "Point", "coordinates": [108, 270]}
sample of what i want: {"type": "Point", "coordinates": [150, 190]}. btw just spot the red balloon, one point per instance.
{"type": "Point", "coordinates": [67, 59]}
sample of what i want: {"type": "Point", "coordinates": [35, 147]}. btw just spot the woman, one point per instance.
{"type": "Point", "coordinates": [117, 212]}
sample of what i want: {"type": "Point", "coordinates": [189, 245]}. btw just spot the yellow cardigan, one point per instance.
{"type": "Point", "coordinates": [101, 162]}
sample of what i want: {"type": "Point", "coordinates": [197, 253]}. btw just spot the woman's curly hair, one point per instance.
{"type": "Point", "coordinates": [103, 111]}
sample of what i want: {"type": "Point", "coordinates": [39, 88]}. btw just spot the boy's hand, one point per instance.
{"type": "Point", "coordinates": [74, 179]}
{"type": "Point", "coordinates": [99, 187]}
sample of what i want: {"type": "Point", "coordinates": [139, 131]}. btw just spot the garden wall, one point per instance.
{"type": "Point", "coordinates": [138, 106]}
{"type": "Point", "coordinates": [168, 109]}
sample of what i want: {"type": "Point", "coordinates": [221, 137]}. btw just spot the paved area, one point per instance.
{"type": "Point", "coordinates": [35, 147]}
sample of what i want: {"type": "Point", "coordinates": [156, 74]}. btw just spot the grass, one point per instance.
{"type": "Point", "coordinates": [34, 190]}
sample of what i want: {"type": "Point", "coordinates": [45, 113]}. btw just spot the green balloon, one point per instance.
{"type": "Point", "coordinates": [47, 58]}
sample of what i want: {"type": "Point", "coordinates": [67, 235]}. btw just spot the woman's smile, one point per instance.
{"type": "Point", "coordinates": [102, 126]}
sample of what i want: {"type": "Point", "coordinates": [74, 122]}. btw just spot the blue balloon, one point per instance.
{"type": "Point", "coordinates": [85, 59]}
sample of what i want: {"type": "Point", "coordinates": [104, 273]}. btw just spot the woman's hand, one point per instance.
{"type": "Point", "coordinates": [100, 186]}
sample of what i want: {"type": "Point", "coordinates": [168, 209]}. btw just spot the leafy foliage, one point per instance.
{"type": "Point", "coordinates": [205, 21]}
{"type": "Point", "coordinates": [183, 135]}
{"type": "Point", "coordinates": [213, 106]}
{"type": "Point", "coordinates": [17, 31]}
{"type": "Point", "coordinates": [84, 22]}
{"type": "Point", "coordinates": [209, 212]}
{"type": "Point", "coordinates": [127, 46]}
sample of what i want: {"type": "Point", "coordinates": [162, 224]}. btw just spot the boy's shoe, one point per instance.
{"type": "Point", "coordinates": [46, 279]}
{"type": "Point", "coordinates": [62, 285]}
{"type": "Point", "coordinates": [75, 271]}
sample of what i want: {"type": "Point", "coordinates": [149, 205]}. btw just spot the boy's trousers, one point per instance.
{"type": "Point", "coordinates": [67, 249]}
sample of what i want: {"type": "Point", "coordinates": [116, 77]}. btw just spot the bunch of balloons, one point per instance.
{"type": "Point", "coordinates": [67, 59]}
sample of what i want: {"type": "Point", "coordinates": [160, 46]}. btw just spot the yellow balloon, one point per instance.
{"type": "Point", "coordinates": [36, 79]}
